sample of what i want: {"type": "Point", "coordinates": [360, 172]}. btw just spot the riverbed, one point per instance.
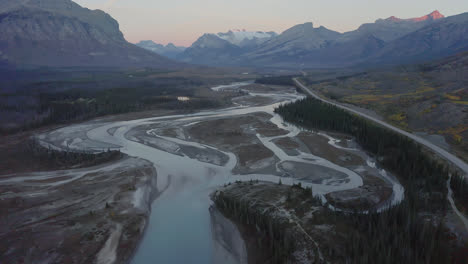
{"type": "Point", "coordinates": [196, 153]}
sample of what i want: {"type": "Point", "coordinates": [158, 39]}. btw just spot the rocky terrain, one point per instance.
{"type": "Point", "coordinates": [62, 33]}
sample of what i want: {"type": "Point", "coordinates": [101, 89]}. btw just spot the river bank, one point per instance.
{"type": "Point", "coordinates": [89, 215]}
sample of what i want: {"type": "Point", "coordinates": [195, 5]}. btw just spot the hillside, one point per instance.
{"type": "Point", "coordinates": [429, 98]}
{"type": "Point", "coordinates": [442, 38]}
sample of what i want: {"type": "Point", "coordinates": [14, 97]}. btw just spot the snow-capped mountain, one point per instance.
{"type": "Point", "coordinates": [170, 50]}
{"type": "Point", "coordinates": [243, 38]}
{"type": "Point", "coordinates": [216, 49]}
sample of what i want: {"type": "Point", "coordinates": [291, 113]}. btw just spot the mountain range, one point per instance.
{"type": "Point", "coordinates": [170, 50]}
{"type": "Point", "coordinates": [217, 49]}
{"type": "Point", "coordinates": [59, 33]}
{"type": "Point", "coordinates": [384, 42]}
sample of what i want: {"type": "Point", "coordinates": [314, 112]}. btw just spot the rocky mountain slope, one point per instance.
{"type": "Point", "coordinates": [439, 39]}
{"type": "Point", "coordinates": [429, 98]}
{"type": "Point", "coordinates": [170, 50]}
{"type": "Point", "coordinates": [392, 28]}
{"type": "Point", "coordinates": [292, 46]}
{"type": "Point", "coordinates": [61, 33]}
{"type": "Point", "coordinates": [300, 37]}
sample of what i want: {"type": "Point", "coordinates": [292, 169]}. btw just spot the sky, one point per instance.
{"type": "Point", "coordinates": [183, 21]}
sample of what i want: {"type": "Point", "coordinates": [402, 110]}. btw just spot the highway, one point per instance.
{"type": "Point", "coordinates": [441, 152]}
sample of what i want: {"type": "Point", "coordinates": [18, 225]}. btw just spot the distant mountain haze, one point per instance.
{"type": "Point", "coordinates": [170, 50]}
{"type": "Point", "coordinates": [60, 33]}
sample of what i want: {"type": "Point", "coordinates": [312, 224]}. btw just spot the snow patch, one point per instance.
{"type": "Point", "coordinates": [236, 37]}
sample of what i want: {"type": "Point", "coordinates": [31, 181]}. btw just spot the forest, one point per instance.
{"type": "Point", "coordinates": [55, 102]}
{"type": "Point", "coordinates": [411, 232]}
{"type": "Point", "coordinates": [423, 176]}
{"type": "Point", "coordinates": [277, 80]}
{"type": "Point", "coordinates": [396, 235]}
{"type": "Point", "coordinates": [459, 186]}
{"type": "Point", "coordinates": [271, 233]}
{"type": "Point", "coordinates": [68, 158]}
{"type": "Point", "coordinates": [405, 233]}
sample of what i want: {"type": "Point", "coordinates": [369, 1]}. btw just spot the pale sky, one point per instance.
{"type": "Point", "coordinates": [183, 21]}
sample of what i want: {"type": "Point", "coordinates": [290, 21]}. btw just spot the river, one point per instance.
{"type": "Point", "coordinates": [180, 226]}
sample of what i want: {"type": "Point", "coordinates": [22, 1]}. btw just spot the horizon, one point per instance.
{"type": "Point", "coordinates": [168, 23]}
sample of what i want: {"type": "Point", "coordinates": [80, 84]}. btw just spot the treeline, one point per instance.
{"type": "Point", "coordinates": [419, 172]}
{"type": "Point", "coordinates": [270, 232]}
{"type": "Point", "coordinates": [65, 111]}
{"type": "Point", "coordinates": [73, 105]}
{"type": "Point", "coordinates": [400, 234]}
{"type": "Point", "coordinates": [459, 186]}
{"type": "Point", "coordinates": [277, 80]}
{"type": "Point", "coordinates": [396, 235]}
{"type": "Point", "coordinates": [274, 235]}
{"type": "Point", "coordinates": [69, 158]}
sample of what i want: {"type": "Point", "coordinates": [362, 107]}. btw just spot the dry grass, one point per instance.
{"type": "Point", "coordinates": [452, 97]}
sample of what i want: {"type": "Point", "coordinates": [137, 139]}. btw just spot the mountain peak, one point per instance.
{"type": "Point", "coordinates": [432, 16]}
{"type": "Point", "coordinates": [307, 24]}
{"type": "Point", "coordinates": [300, 28]}
{"type": "Point", "coordinates": [238, 36]}
{"type": "Point", "coordinates": [393, 19]}
{"type": "Point", "coordinates": [436, 15]}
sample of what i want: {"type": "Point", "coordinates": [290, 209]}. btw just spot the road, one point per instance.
{"type": "Point", "coordinates": [441, 152]}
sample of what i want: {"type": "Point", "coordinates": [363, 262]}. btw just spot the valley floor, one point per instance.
{"type": "Point", "coordinates": [193, 155]}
